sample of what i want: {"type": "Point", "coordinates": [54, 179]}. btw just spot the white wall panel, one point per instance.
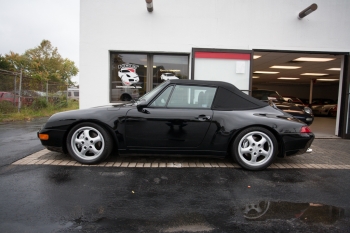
{"type": "Point", "coordinates": [223, 70]}
{"type": "Point", "coordinates": [180, 25]}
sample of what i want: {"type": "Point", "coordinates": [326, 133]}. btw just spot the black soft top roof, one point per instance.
{"type": "Point", "coordinates": [227, 97]}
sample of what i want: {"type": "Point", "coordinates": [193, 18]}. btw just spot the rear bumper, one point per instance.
{"type": "Point", "coordinates": [298, 143]}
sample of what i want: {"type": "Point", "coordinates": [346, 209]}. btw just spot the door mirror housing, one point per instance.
{"type": "Point", "coordinates": [141, 104]}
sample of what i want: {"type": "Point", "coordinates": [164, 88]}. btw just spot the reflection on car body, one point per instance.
{"type": "Point", "coordinates": [187, 117]}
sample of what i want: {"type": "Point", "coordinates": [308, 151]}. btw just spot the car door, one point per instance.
{"type": "Point", "coordinates": [177, 118]}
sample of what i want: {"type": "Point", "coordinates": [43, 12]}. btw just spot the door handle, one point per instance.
{"type": "Point", "coordinates": [203, 118]}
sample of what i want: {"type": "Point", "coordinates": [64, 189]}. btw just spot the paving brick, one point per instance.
{"type": "Point", "coordinates": [207, 165]}
{"type": "Point", "coordinates": [229, 165]}
{"type": "Point", "coordinates": [221, 164]}
{"type": "Point", "coordinates": [327, 154]}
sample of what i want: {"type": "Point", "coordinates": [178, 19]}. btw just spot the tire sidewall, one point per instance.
{"type": "Point", "coordinates": [107, 143]}
{"type": "Point", "coordinates": [235, 148]}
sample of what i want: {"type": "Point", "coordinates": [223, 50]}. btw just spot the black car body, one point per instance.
{"type": "Point", "coordinates": [181, 117]}
{"type": "Point", "coordinates": [299, 111]}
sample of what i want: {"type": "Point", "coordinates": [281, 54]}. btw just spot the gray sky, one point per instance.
{"type": "Point", "coordinates": [25, 23]}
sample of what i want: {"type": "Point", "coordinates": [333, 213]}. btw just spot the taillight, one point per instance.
{"type": "Point", "coordinates": [305, 129]}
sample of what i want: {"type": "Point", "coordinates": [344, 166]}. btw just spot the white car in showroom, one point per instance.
{"type": "Point", "coordinates": [168, 76]}
{"type": "Point", "coordinates": [128, 77]}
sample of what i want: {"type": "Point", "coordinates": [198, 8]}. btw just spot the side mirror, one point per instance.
{"type": "Point", "coordinates": [141, 104]}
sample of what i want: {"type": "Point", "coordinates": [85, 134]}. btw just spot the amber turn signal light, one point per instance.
{"type": "Point", "coordinates": [43, 136]}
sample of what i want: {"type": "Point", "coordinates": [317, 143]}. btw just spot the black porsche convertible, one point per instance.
{"type": "Point", "coordinates": [181, 117]}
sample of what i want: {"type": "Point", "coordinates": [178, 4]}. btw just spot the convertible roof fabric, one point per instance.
{"type": "Point", "coordinates": [227, 97]}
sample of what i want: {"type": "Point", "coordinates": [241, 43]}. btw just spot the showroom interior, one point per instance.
{"type": "Point", "coordinates": [315, 77]}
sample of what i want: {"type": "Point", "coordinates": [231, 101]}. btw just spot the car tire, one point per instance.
{"type": "Point", "coordinates": [254, 148]}
{"type": "Point", "coordinates": [89, 143]}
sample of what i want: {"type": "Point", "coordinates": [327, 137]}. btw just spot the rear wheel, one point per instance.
{"type": "Point", "coordinates": [89, 143]}
{"type": "Point", "coordinates": [255, 148]}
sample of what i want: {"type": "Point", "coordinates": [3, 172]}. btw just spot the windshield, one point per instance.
{"type": "Point", "coordinates": [149, 95]}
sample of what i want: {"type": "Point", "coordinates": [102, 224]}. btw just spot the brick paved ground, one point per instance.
{"type": "Point", "coordinates": [326, 154]}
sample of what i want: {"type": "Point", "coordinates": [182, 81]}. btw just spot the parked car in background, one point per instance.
{"type": "Point", "coordinates": [14, 99]}
{"type": "Point", "coordinates": [293, 99]}
{"type": "Point", "coordinates": [322, 106]}
{"type": "Point", "coordinates": [333, 111]}
{"type": "Point", "coordinates": [298, 111]}
{"type": "Point", "coordinates": [181, 117]}
{"type": "Point", "coordinates": [73, 93]}
{"type": "Point", "coordinates": [168, 76]}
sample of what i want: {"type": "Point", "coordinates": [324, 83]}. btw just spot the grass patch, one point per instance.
{"type": "Point", "coordinates": [39, 108]}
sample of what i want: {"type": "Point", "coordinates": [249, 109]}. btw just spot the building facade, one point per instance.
{"type": "Point", "coordinates": [126, 50]}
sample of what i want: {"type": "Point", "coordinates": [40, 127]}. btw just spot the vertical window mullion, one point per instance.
{"type": "Point", "coordinates": [149, 85]}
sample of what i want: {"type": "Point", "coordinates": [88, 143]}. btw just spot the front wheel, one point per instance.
{"type": "Point", "coordinates": [255, 148]}
{"type": "Point", "coordinates": [89, 143]}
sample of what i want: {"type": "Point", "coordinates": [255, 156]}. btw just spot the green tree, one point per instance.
{"type": "Point", "coordinates": [44, 63]}
{"type": "Point", "coordinates": [4, 64]}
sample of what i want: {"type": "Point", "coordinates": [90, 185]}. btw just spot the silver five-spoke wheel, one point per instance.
{"type": "Point", "coordinates": [255, 148]}
{"type": "Point", "coordinates": [89, 143]}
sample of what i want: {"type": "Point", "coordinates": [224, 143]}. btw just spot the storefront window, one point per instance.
{"type": "Point", "coordinates": [130, 76]}
{"type": "Point", "coordinates": [169, 67]}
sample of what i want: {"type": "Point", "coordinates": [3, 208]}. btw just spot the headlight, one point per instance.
{"type": "Point", "coordinates": [308, 110]}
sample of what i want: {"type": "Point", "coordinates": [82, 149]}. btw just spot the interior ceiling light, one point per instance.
{"type": "Point", "coordinates": [265, 72]}
{"type": "Point", "coordinates": [256, 77]}
{"type": "Point", "coordinates": [256, 56]}
{"type": "Point", "coordinates": [324, 79]}
{"type": "Point", "coordinates": [337, 69]}
{"type": "Point", "coordinates": [286, 67]}
{"type": "Point", "coordinates": [314, 59]}
{"type": "Point", "coordinates": [287, 78]}
{"type": "Point", "coordinates": [314, 74]}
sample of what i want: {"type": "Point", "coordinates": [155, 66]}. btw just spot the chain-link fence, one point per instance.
{"type": "Point", "coordinates": [18, 92]}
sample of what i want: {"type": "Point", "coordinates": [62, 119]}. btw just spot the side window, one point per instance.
{"type": "Point", "coordinates": [162, 99]}
{"type": "Point", "coordinates": [192, 97]}
{"type": "Point", "coordinates": [76, 93]}
{"type": "Point", "coordinates": [69, 93]}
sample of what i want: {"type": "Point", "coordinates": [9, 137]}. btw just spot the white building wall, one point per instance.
{"type": "Point", "coordinates": [180, 25]}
